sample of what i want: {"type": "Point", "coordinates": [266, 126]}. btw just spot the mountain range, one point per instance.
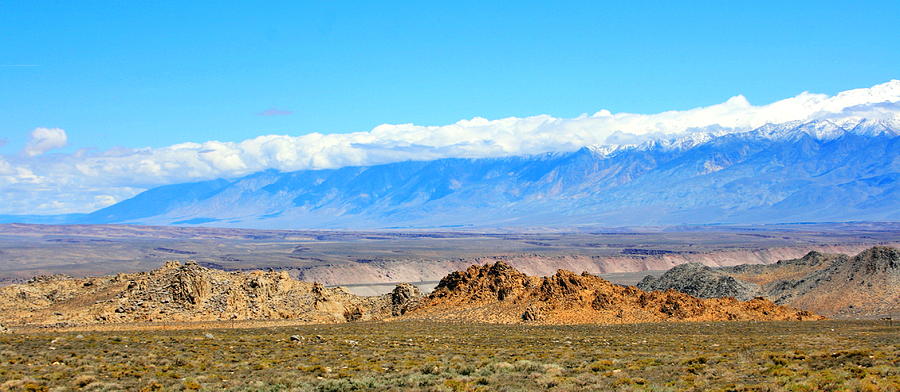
{"type": "Point", "coordinates": [819, 171]}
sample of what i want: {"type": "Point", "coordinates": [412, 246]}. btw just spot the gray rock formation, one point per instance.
{"type": "Point", "coordinates": [700, 281]}
{"type": "Point", "coordinates": [404, 297]}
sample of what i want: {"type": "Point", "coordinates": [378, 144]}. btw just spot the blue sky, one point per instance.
{"type": "Point", "coordinates": [115, 73]}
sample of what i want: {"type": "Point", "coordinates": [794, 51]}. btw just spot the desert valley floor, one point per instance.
{"type": "Point", "coordinates": [729, 356]}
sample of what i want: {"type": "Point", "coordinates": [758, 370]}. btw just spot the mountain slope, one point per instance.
{"type": "Point", "coordinates": [818, 171]}
{"type": "Point", "coordinates": [864, 285]}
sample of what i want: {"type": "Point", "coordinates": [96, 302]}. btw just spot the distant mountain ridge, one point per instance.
{"type": "Point", "coordinates": [793, 172]}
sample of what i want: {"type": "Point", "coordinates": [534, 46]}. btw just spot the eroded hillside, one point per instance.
{"type": "Point", "coordinates": [865, 285]}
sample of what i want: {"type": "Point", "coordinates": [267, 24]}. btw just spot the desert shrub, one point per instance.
{"type": "Point", "coordinates": [526, 366]}
{"type": "Point", "coordinates": [345, 385]}
{"type": "Point", "coordinates": [83, 380]}
{"type": "Point", "coordinates": [601, 365]}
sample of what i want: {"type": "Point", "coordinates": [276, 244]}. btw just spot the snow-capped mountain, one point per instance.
{"type": "Point", "coordinates": [814, 171]}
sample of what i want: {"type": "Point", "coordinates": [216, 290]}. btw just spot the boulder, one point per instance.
{"type": "Point", "coordinates": [404, 297]}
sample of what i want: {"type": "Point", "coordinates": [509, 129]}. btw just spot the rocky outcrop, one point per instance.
{"type": "Point", "coordinates": [498, 281]}
{"type": "Point", "coordinates": [533, 313]}
{"type": "Point", "coordinates": [865, 285]}
{"type": "Point", "coordinates": [189, 292]}
{"type": "Point", "coordinates": [879, 260]}
{"type": "Point", "coordinates": [701, 281]}
{"type": "Point", "coordinates": [404, 297]}
{"type": "Point", "coordinates": [835, 285]}
{"type": "Point", "coordinates": [498, 293]}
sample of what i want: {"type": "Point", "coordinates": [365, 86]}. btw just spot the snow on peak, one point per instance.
{"type": "Point", "coordinates": [607, 150]}
{"type": "Point", "coordinates": [868, 127]}
{"type": "Point", "coordinates": [822, 130]}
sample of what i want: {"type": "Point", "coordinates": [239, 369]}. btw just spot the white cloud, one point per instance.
{"type": "Point", "coordinates": [121, 172]}
{"type": "Point", "coordinates": [101, 201]}
{"type": "Point", "coordinates": [45, 139]}
{"type": "Point", "coordinates": [5, 167]}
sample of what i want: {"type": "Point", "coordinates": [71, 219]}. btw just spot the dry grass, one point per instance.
{"type": "Point", "coordinates": [745, 356]}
